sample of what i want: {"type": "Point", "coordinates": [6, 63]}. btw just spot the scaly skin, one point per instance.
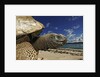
{"type": "Point", "coordinates": [27, 49]}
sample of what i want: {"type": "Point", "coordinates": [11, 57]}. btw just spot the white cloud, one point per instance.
{"type": "Point", "coordinates": [73, 18]}
{"type": "Point", "coordinates": [81, 37]}
{"type": "Point", "coordinates": [76, 27]}
{"type": "Point", "coordinates": [78, 39]}
{"type": "Point", "coordinates": [71, 36]}
{"type": "Point", "coordinates": [56, 28]}
{"type": "Point", "coordinates": [50, 32]}
{"type": "Point", "coordinates": [69, 31]}
{"type": "Point", "coordinates": [48, 24]}
{"type": "Point", "coordinates": [44, 33]}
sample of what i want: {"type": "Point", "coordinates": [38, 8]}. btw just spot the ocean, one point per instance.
{"type": "Point", "coordinates": [73, 45]}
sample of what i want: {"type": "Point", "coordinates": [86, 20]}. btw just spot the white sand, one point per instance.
{"type": "Point", "coordinates": [58, 56]}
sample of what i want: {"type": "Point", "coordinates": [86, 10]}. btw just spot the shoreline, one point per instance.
{"type": "Point", "coordinates": [61, 54]}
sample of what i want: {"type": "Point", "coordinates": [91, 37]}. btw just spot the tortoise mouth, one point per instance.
{"type": "Point", "coordinates": [61, 39]}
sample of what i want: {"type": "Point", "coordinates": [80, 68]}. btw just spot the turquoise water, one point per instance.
{"type": "Point", "coordinates": [75, 46]}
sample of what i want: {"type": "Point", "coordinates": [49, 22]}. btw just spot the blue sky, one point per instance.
{"type": "Point", "coordinates": [70, 26]}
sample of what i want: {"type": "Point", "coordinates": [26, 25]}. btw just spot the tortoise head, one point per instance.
{"type": "Point", "coordinates": [58, 38]}
{"type": "Point", "coordinates": [51, 40]}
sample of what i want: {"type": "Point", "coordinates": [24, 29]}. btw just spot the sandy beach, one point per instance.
{"type": "Point", "coordinates": [61, 54]}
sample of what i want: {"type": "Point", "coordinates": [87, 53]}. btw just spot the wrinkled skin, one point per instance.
{"type": "Point", "coordinates": [47, 41]}
{"type": "Point", "coordinates": [27, 49]}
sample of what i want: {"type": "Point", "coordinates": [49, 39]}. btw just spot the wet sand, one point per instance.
{"type": "Point", "coordinates": [61, 54]}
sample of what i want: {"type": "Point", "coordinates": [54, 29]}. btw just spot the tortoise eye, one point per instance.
{"type": "Point", "coordinates": [52, 37]}
{"type": "Point", "coordinates": [58, 37]}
